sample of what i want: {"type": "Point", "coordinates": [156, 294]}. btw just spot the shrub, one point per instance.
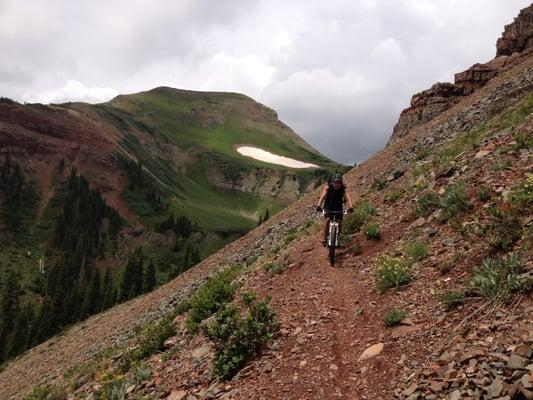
{"type": "Point", "coordinates": [149, 340]}
{"type": "Point", "coordinates": [289, 236]}
{"type": "Point", "coordinates": [273, 268]}
{"type": "Point", "coordinates": [393, 197]}
{"type": "Point", "coordinates": [354, 221]}
{"type": "Point", "coordinates": [48, 392]}
{"type": "Point", "coordinates": [422, 152]}
{"type": "Point", "coordinates": [497, 278]}
{"type": "Point", "coordinates": [394, 317]}
{"type": "Point", "coordinates": [114, 389]}
{"type": "Point", "coordinates": [417, 251]}
{"type": "Point", "coordinates": [504, 228]}
{"type": "Point", "coordinates": [379, 184]}
{"type": "Point", "coordinates": [275, 249]}
{"type": "Point", "coordinates": [522, 197]}
{"type": "Point", "coordinates": [237, 339]}
{"type": "Point", "coordinates": [451, 299]}
{"type": "Point", "coordinates": [211, 297]}
{"type": "Point", "coordinates": [523, 140]}
{"type": "Point", "coordinates": [392, 272]}
{"type": "Point", "coordinates": [484, 193]}
{"type": "Point", "coordinates": [454, 202]}
{"type": "Point", "coordinates": [141, 373]}
{"type": "Point", "coordinates": [372, 231]}
{"type": "Point", "coordinates": [426, 204]}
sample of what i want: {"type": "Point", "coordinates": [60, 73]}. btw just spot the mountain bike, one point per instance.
{"type": "Point", "coordinates": [333, 233]}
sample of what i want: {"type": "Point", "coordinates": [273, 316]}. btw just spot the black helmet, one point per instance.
{"type": "Point", "coordinates": [336, 177]}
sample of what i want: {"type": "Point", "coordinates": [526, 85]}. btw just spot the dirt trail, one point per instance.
{"type": "Point", "coordinates": [329, 315]}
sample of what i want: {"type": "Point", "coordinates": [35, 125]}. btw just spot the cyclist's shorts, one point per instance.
{"type": "Point", "coordinates": [330, 216]}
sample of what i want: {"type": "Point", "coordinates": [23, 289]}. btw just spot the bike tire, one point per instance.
{"type": "Point", "coordinates": [332, 250]}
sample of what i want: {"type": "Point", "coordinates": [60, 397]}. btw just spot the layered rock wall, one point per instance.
{"type": "Point", "coordinates": [515, 45]}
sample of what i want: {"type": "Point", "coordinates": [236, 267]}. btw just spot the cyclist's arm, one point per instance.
{"type": "Point", "coordinates": [348, 199]}
{"type": "Point", "coordinates": [322, 196]}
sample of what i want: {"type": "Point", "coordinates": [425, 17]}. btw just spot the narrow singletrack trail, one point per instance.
{"type": "Point", "coordinates": [329, 316]}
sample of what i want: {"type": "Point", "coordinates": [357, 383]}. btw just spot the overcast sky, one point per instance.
{"type": "Point", "coordinates": [338, 71]}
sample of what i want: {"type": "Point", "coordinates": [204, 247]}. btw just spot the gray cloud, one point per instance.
{"type": "Point", "coordinates": [338, 72]}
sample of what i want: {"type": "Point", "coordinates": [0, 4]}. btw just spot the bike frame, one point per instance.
{"type": "Point", "coordinates": [333, 233]}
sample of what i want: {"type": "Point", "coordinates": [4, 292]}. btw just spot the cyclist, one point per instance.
{"type": "Point", "coordinates": [332, 198]}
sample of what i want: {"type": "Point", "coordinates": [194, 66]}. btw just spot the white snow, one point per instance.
{"type": "Point", "coordinates": [266, 156]}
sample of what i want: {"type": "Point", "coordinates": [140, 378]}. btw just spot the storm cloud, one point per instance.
{"type": "Point", "coordinates": [338, 72]}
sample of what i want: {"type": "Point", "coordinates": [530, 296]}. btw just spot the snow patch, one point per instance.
{"type": "Point", "coordinates": [266, 156]}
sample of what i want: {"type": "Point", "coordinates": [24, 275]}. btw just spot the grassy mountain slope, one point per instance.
{"type": "Point", "coordinates": [151, 155]}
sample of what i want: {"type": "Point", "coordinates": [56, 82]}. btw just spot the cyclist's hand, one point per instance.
{"type": "Point", "coordinates": [318, 209]}
{"type": "Point", "coordinates": [350, 210]}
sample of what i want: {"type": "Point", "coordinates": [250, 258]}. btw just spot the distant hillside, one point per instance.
{"type": "Point", "coordinates": [84, 186]}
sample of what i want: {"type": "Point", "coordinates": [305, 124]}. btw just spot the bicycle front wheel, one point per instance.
{"type": "Point", "coordinates": [332, 247]}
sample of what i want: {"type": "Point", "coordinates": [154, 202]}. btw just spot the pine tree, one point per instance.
{"type": "Point", "coordinates": [18, 340]}
{"type": "Point", "coordinates": [94, 294]}
{"type": "Point", "coordinates": [149, 278]}
{"type": "Point", "coordinates": [260, 220]}
{"type": "Point", "coordinates": [132, 278]}
{"type": "Point", "coordinates": [108, 298]}
{"type": "Point", "coordinates": [10, 309]}
{"type": "Point", "coordinates": [266, 216]}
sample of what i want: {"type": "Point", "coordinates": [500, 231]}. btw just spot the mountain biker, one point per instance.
{"type": "Point", "coordinates": [332, 199]}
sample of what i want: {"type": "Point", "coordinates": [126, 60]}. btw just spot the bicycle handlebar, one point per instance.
{"type": "Point", "coordinates": [335, 212]}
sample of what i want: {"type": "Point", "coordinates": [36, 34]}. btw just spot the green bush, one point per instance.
{"type": "Point", "coordinates": [392, 272]}
{"type": "Point", "coordinates": [504, 228]}
{"type": "Point", "coordinates": [426, 204]}
{"type": "Point", "coordinates": [451, 299]}
{"type": "Point", "coordinates": [393, 197]}
{"type": "Point", "coordinates": [211, 297]}
{"type": "Point", "coordinates": [353, 222]}
{"type": "Point", "coordinates": [273, 268]}
{"type": "Point", "coordinates": [238, 338]}
{"type": "Point", "coordinates": [484, 193]}
{"type": "Point", "coordinates": [379, 184]}
{"type": "Point", "coordinates": [49, 392]}
{"type": "Point", "coordinates": [422, 152]}
{"type": "Point", "coordinates": [114, 389]}
{"type": "Point", "coordinates": [148, 341]}
{"type": "Point", "coordinates": [394, 317]}
{"type": "Point", "coordinates": [417, 251]}
{"type": "Point", "coordinates": [454, 202]}
{"type": "Point", "coordinates": [372, 231]}
{"type": "Point", "coordinates": [497, 278]}
{"type": "Point", "coordinates": [523, 140]}
{"type": "Point", "coordinates": [522, 198]}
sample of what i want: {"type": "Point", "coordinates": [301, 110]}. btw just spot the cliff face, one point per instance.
{"type": "Point", "coordinates": [518, 36]}
{"type": "Point", "coordinates": [515, 45]}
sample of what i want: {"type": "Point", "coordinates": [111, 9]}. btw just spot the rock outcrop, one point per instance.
{"type": "Point", "coordinates": [517, 36]}
{"type": "Point", "coordinates": [515, 45]}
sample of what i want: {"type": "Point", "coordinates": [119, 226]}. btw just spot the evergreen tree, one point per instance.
{"type": "Point", "coordinates": [18, 340]}
{"type": "Point", "coordinates": [10, 309]}
{"type": "Point", "coordinates": [266, 216]}
{"type": "Point", "coordinates": [260, 220]}
{"type": "Point", "coordinates": [108, 294]}
{"type": "Point", "coordinates": [149, 278]}
{"type": "Point", "coordinates": [132, 278]}
{"type": "Point", "coordinates": [94, 294]}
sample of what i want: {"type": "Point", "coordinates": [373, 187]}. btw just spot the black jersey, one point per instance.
{"type": "Point", "coordinates": [334, 198]}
